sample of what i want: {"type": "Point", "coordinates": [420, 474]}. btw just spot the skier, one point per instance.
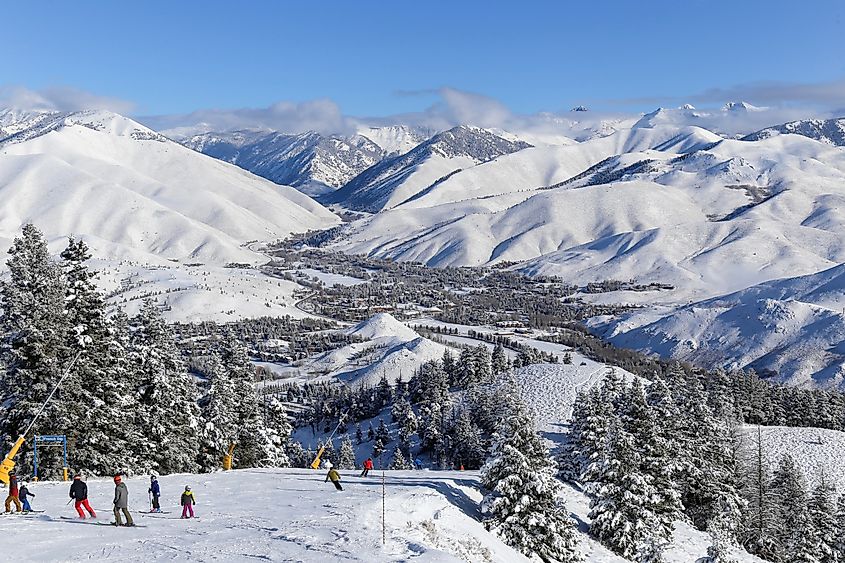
{"type": "Point", "coordinates": [13, 494]}
{"type": "Point", "coordinates": [79, 493]}
{"type": "Point", "coordinates": [368, 465]}
{"type": "Point", "coordinates": [418, 463]}
{"type": "Point", "coordinates": [335, 478]}
{"type": "Point", "coordinates": [121, 502]}
{"type": "Point", "coordinates": [188, 501]}
{"type": "Point", "coordinates": [23, 494]}
{"type": "Point", "coordinates": [155, 491]}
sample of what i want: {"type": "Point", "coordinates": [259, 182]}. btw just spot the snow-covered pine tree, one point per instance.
{"type": "Point", "coordinates": [169, 415]}
{"type": "Point", "coordinates": [346, 456]}
{"type": "Point", "coordinates": [795, 529]}
{"type": "Point", "coordinates": [623, 498]}
{"type": "Point", "coordinates": [278, 430]}
{"type": "Point", "coordinates": [398, 461]}
{"type": "Point", "coordinates": [499, 360]}
{"type": "Point", "coordinates": [822, 507]}
{"type": "Point", "coordinates": [656, 459]}
{"type": "Point", "coordinates": [707, 443]}
{"type": "Point", "coordinates": [522, 506]}
{"type": "Point", "coordinates": [219, 416]}
{"type": "Point", "coordinates": [101, 386]}
{"type": "Point", "coordinates": [759, 520]}
{"type": "Point", "coordinates": [839, 543]}
{"type": "Point", "coordinates": [35, 330]}
{"type": "Point", "coordinates": [359, 434]}
{"type": "Point", "coordinates": [468, 448]}
{"type": "Point", "coordinates": [252, 438]}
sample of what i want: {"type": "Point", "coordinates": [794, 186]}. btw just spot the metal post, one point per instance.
{"type": "Point", "coordinates": [35, 459]}
{"type": "Point", "coordinates": [64, 454]}
{"type": "Point", "coordinates": [383, 510]}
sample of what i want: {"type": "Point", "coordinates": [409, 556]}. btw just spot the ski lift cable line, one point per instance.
{"type": "Point", "coordinates": [53, 392]}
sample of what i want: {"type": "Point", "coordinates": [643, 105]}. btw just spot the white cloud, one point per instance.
{"type": "Point", "coordinates": [322, 115]}
{"type": "Point", "coordinates": [60, 98]}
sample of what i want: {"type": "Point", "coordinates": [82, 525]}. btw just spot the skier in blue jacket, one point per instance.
{"type": "Point", "coordinates": [155, 491]}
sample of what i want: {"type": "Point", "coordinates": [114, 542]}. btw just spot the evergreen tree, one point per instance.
{"type": "Point", "coordinates": [346, 457]}
{"type": "Point", "coordinates": [624, 500]}
{"type": "Point", "coordinates": [822, 508]}
{"type": "Point", "coordinates": [278, 430]}
{"type": "Point", "coordinates": [359, 434]}
{"type": "Point", "coordinates": [522, 505]}
{"type": "Point", "coordinates": [168, 413]}
{"type": "Point", "coordinates": [499, 360]}
{"type": "Point", "coordinates": [759, 533]}
{"type": "Point", "coordinates": [253, 448]}
{"type": "Point", "coordinates": [795, 533]}
{"type": "Point", "coordinates": [35, 331]}
{"type": "Point", "coordinates": [398, 461]}
{"type": "Point", "coordinates": [219, 416]}
{"type": "Point", "coordinates": [467, 445]}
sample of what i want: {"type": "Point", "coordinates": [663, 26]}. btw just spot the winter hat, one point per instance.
{"type": "Point", "coordinates": [77, 476]}
{"type": "Point", "coordinates": [117, 479]}
{"type": "Point", "coordinates": [152, 477]}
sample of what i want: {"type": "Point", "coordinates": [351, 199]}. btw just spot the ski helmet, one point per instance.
{"type": "Point", "coordinates": [152, 477]}
{"type": "Point", "coordinates": [187, 488]}
{"type": "Point", "coordinates": [117, 479]}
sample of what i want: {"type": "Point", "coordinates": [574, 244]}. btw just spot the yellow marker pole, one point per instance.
{"type": "Point", "coordinates": [8, 464]}
{"type": "Point", "coordinates": [227, 458]}
{"type": "Point", "coordinates": [316, 463]}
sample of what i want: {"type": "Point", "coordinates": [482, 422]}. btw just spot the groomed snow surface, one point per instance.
{"type": "Point", "coordinates": [286, 515]}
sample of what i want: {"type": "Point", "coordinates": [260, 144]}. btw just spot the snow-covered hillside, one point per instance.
{"type": "Point", "coordinates": [830, 131]}
{"type": "Point", "coordinates": [651, 204]}
{"type": "Point", "coordinates": [129, 192]}
{"type": "Point", "coordinates": [399, 178]}
{"type": "Point", "coordinates": [793, 327]}
{"type": "Point", "coordinates": [390, 350]}
{"type": "Point", "coordinates": [290, 515]}
{"type": "Point", "coordinates": [313, 163]}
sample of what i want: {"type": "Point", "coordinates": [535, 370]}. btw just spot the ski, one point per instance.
{"type": "Point", "coordinates": [114, 525]}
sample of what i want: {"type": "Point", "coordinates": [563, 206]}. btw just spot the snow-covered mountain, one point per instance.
{"type": "Point", "coordinates": [399, 178]}
{"type": "Point", "coordinates": [793, 327]}
{"type": "Point", "coordinates": [396, 139]}
{"type": "Point", "coordinates": [666, 204]}
{"type": "Point", "coordinates": [313, 163]}
{"type": "Point", "coordinates": [830, 131]}
{"type": "Point", "coordinates": [130, 192]}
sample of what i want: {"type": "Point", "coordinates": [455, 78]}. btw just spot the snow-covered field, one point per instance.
{"type": "Point", "coordinates": [289, 515]}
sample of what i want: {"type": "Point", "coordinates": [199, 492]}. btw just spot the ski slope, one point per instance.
{"type": "Point", "coordinates": [291, 515]}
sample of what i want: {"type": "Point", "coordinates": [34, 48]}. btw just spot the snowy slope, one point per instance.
{"type": "Point", "coordinates": [793, 327]}
{"type": "Point", "coordinates": [817, 451]}
{"type": "Point", "coordinates": [830, 131]}
{"type": "Point", "coordinates": [401, 177]}
{"type": "Point", "coordinates": [668, 205]}
{"type": "Point", "coordinates": [313, 163]}
{"type": "Point", "coordinates": [129, 191]}
{"type": "Point", "coordinates": [292, 515]}
{"type": "Point", "coordinates": [390, 350]}
{"type": "Point", "coordinates": [395, 139]}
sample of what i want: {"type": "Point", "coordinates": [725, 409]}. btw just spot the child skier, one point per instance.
{"type": "Point", "coordinates": [79, 493]}
{"type": "Point", "coordinates": [23, 494]}
{"type": "Point", "coordinates": [188, 502]}
{"type": "Point", "coordinates": [368, 465]}
{"type": "Point", "coordinates": [121, 502]}
{"type": "Point", "coordinates": [13, 494]}
{"type": "Point", "coordinates": [335, 478]}
{"type": "Point", "coordinates": [155, 491]}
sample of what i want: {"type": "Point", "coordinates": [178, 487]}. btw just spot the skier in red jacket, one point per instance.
{"type": "Point", "coordinates": [367, 466]}
{"type": "Point", "coordinates": [13, 494]}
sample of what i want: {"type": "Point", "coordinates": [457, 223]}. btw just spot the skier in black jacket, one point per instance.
{"type": "Point", "coordinates": [79, 493]}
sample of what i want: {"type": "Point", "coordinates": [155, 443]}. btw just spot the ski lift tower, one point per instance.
{"type": "Point", "coordinates": [50, 441]}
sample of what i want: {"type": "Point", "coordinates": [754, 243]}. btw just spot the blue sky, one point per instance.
{"type": "Point", "coordinates": [380, 58]}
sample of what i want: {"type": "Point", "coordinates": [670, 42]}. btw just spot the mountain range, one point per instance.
{"type": "Point", "coordinates": [664, 197]}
